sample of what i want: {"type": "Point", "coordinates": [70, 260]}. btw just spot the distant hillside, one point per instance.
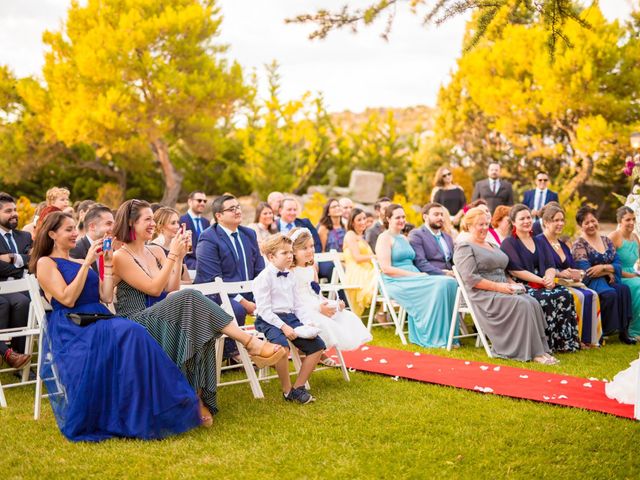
{"type": "Point", "coordinates": [409, 120]}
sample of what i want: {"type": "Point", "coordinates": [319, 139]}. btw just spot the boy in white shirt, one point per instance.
{"type": "Point", "coordinates": [274, 293]}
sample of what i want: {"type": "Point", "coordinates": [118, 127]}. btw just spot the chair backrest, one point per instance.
{"type": "Point", "coordinates": [338, 275]}
{"type": "Point", "coordinates": [465, 295]}
{"type": "Point", "coordinates": [222, 288]}
{"type": "Point", "coordinates": [37, 301]}
{"type": "Point", "coordinates": [14, 286]}
{"type": "Point", "coordinates": [378, 273]}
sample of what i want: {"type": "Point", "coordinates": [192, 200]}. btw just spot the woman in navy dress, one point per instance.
{"type": "Point", "coordinates": [529, 264]}
{"type": "Point", "coordinates": [586, 300]}
{"type": "Point", "coordinates": [596, 254]}
{"type": "Point", "coordinates": [109, 378]}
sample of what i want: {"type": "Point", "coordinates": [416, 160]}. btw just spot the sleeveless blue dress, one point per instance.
{"type": "Point", "coordinates": [110, 378]}
{"type": "Point", "coordinates": [428, 299]}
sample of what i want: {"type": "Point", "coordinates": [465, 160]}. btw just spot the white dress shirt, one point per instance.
{"type": "Point", "coordinates": [539, 198]}
{"type": "Point", "coordinates": [17, 257]}
{"type": "Point", "coordinates": [274, 294]}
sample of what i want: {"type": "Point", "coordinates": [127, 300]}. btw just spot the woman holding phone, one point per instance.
{"type": "Point", "coordinates": [167, 227]}
{"type": "Point", "coordinates": [186, 323]}
{"type": "Point", "coordinates": [108, 378]}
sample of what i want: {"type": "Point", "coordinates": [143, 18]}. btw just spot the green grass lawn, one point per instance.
{"type": "Point", "coordinates": [372, 427]}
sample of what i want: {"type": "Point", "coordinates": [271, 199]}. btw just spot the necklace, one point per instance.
{"type": "Point", "coordinates": [142, 262]}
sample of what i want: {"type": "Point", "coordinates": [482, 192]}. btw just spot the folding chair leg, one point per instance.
{"type": "Point", "coordinates": [3, 400]}
{"type": "Point", "coordinates": [454, 319]}
{"type": "Point", "coordinates": [251, 373]}
{"type": "Point", "coordinates": [343, 366]}
{"type": "Point", "coordinates": [372, 310]}
{"type": "Point", "coordinates": [219, 352]}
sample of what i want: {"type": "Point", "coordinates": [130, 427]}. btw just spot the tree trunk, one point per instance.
{"type": "Point", "coordinates": [172, 177]}
{"type": "Point", "coordinates": [585, 170]}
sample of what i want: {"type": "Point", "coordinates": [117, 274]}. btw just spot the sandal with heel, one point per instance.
{"type": "Point", "coordinates": [268, 355]}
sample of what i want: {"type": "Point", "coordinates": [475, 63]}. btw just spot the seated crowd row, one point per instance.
{"type": "Point", "coordinates": [171, 338]}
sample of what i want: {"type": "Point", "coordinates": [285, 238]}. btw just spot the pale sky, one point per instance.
{"type": "Point", "coordinates": [352, 71]}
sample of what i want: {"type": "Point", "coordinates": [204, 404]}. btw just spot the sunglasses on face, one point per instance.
{"type": "Point", "coordinates": [448, 174]}
{"type": "Point", "coordinates": [200, 200]}
{"type": "Point", "coordinates": [543, 179]}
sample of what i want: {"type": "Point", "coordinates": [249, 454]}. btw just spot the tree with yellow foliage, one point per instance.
{"type": "Point", "coordinates": [134, 78]}
{"type": "Point", "coordinates": [509, 102]}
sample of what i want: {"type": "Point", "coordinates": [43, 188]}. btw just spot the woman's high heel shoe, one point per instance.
{"type": "Point", "coordinates": [268, 355]}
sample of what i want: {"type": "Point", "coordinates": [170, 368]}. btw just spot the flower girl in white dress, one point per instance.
{"type": "Point", "coordinates": [338, 327]}
{"type": "Point", "coordinates": [625, 386]}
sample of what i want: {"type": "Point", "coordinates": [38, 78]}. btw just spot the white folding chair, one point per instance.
{"type": "Point", "coordinates": [337, 281]}
{"type": "Point", "coordinates": [218, 287]}
{"type": "Point", "coordinates": [397, 313]}
{"type": "Point", "coordinates": [30, 331]}
{"type": "Point", "coordinates": [461, 307]}
{"type": "Point", "coordinates": [40, 307]}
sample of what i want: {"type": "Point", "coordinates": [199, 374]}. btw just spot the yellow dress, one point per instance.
{"type": "Point", "coordinates": [359, 274]}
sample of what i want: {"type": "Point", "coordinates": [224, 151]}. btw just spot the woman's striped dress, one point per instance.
{"type": "Point", "coordinates": [186, 325]}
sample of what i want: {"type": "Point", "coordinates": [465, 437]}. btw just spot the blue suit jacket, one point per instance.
{"type": "Point", "coordinates": [190, 258]}
{"type": "Point", "coordinates": [429, 256]}
{"type": "Point", "coordinates": [217, 258]}
{"type": "Point", "coordinates": [306, 223]}
{"type": "Point", "coordinates": [530, 197]}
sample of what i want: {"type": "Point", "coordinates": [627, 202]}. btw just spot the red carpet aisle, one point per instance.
{"type": "Point", "coordinates": [488, 378]}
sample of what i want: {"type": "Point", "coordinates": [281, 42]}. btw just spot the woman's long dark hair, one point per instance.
{"type": "Point", "coordinates": [43, 245]}
{"type": "Point", "coordinates": [325, 219]}
{"type": "Point", "coordinates": [126, 216]}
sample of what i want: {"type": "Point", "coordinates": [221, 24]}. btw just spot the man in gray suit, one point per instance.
{"type": "Point", "coordinates": [372, 233]}
{"type": "Point", "coordinates": [433, 247]}
{"type": "Point", "coordinates": [494, 190]}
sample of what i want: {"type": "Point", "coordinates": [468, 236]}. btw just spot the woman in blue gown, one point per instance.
{"type": "Point", "coordinates": [109, 378]}
{"type": "Point", "coordinates": [428, 299]}
{"type": "Point", "coordinates": [596, 255]}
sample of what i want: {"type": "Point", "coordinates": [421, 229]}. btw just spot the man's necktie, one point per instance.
{"type": "Point", "coordinates": [538, 200]}
{"type": "Point", "coordinates": [240, 256]}
{"type": "Point", "coordinates": [198, 223]}
{"type": "Point", "coordinates": [10, 242]}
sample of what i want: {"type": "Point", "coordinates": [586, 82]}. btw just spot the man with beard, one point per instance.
{"type": "Point", "coordinates": [433, 247]}
{"type": "Point", "coordinates": [15, 246]}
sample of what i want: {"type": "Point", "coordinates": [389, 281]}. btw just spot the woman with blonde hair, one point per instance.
{"type": "Point", "coordinates": [513, 321]}
{"type": "Point", "coordinates": [167, 227]}
{"type": "Point", "coordinates": [448, 194]}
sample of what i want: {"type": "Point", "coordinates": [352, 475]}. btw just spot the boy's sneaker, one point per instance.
{"type": "Point", "coordinates": [299, 395]}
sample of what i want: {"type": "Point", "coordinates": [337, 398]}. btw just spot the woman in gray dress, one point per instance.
{"type": "Point", "coordinates": [514, 323]}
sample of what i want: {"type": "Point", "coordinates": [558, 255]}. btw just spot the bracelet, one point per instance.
{"type": "Point", "coordinates": [173, 259]}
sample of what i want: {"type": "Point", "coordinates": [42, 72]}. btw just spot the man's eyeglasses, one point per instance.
{"type": "Point", "coordinates": [543, 179]}
{"type": "Point", "coordinates": [200, 200]}
{"type": "Point", "coordinates": [235, 208]}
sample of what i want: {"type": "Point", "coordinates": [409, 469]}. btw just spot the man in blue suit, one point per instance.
{"type": "Point", "coordinates": [538, 197]}
{"type": "Point", "coordinates": [195, 222]}
{"type": "Point", "coordinates": [289, 219]}
{"type": "Point", "coordinates": [433, 247]}
{"type": "Point", "coordinates": [229, 251]}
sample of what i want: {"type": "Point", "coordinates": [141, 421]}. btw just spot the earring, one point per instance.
{"type": "Point", "coordinates": [132, 235]}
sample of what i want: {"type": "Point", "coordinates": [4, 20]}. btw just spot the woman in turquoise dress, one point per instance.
{"type": "Point", "coordinates": [627, 245]}
{"type": "Point", "coordinates": [427, 299]}
{"type": "Point", "coordinates": [109, 378]}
